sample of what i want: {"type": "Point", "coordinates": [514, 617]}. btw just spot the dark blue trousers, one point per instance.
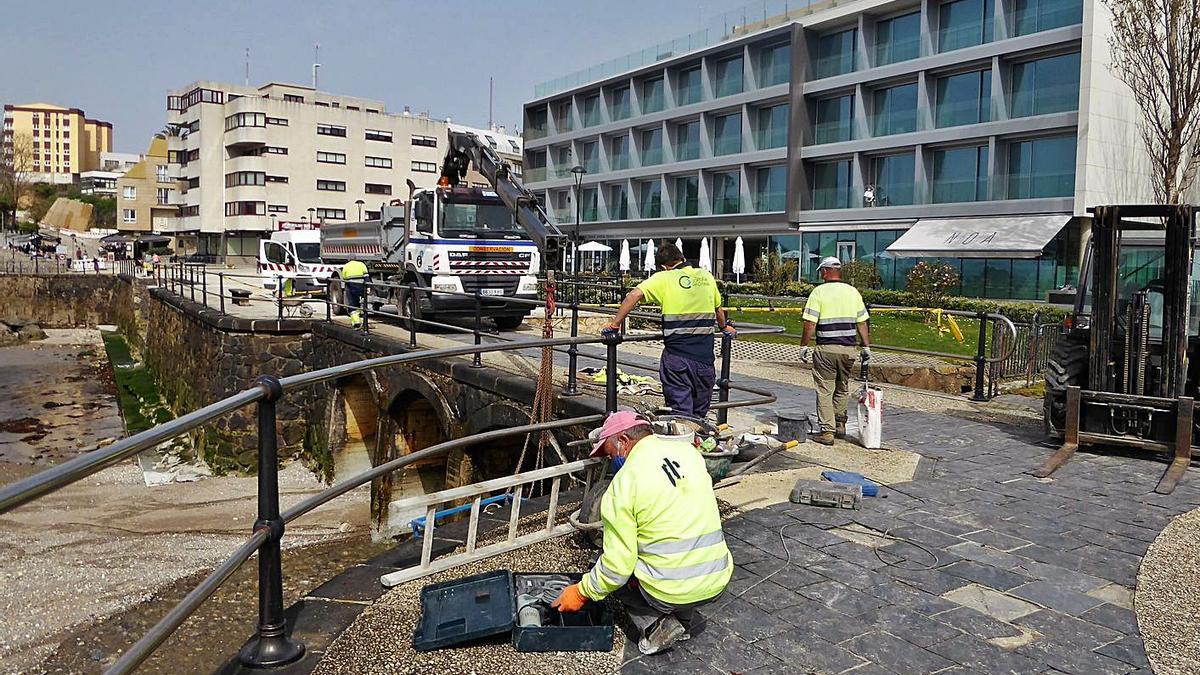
{"type": "Point", "coordinates": [687, 384]}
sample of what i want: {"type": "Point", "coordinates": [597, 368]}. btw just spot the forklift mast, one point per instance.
{"type": "Point", "coordinates": [468, 148]}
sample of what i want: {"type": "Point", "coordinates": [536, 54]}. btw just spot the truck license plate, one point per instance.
{"type": "Point", "coordinates": [491, 291]}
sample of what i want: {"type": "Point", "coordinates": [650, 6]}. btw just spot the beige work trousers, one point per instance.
{"type": "Point", "coordinates": [832, 365]}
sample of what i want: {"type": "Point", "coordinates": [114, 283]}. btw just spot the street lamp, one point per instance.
{"type": "Point", "coordinates": [578, 171]}
{"type": "Point", "coordinates": [312, 215]}
{"type": "Point", "coordinates": [359, 203]}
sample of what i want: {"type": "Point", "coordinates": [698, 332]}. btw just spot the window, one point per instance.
{"type": "Point", "coordinates": [380, 162]}
{"type": "Point", "coordinates": [277, 208]}
{"type": "Point", "coordinates": [652, 146]}
{"type": "Point", "coordinates": [330, 214]}
{"type": "Point", "coordinates": [331, 185]}
{"type": "Point", "coordinates": [727, 134]}
{"type": "Point", "coordinates": [331, 130]}
{"type": "Point", "coordinates": [618, 103]}
{"type": "Point", "coordinates": [334, 158]}
{"type": "Point", "coordinates": [245, 208]}
{"type": "Point", "coordinates": [775, 64]}
{"type": "Point", "coordinates": [726, 195]}
{"type": "Point", "coordinates": [535, 127]}
{"type": "Point", "coordinates": [163, 196]}
{"type": "Point", "coordinates": [423, 167]}
{"type": "Point", "coordinates": [192, 127]}
{"type": "Point", "coordinates": [589, 205]}
{"type": "Point", "coordinates": [770, 188]}
{"type": "Point", "coordinates": [1042, 167]}
{"type": "Point", "coordinates": [618, 156]}
{"type": "Point", "coordinates": [273, 150]}
{"type": "Point", "coordinates": [964, 98]}
{"type": "Point", "coordinates": [618, 203]}
{"type": "Point", "coordinates": [193, 183]}
{"type": "Point", "coordinates": [898, 39]}
{"type": "Point", "coordinates": [960, 174]}
{"type": "Point", "coordinates": [1045, 86]}
{"type": "Point", "coordinates": [687, 195]}
{"type": "Point", "coordinates": [833, 119]}
{"type": "Point", "coordinates": [591, 110]}
{"type": "Point", "coordinates": [591, 156]}
{"type": "Point", "coordinates": [772, 127]}
{"type": "Point", "coordinates": [831, 185]}
{"type": "Point", "coordinates": [292, 98]}
{"type": "Point", "coordinates": [650, 199]}
{"type": "Point", "coordinates": [377, 189]}
{"type": "Point", "coordinates": [688, 90]}
{"type": "Point", "coordinates": [835, 54]}
{"type": "Point", "coordinates": [728, 74]}
{"type": "Point", "coordinates": [372, 215]}
{"type": "Point", "coordinates": [129, 192]}
{"type": "Point", "coordinates": [193, 155]}
{"type": "Point", "coordinates": [964, 23]}
{"type": "Point", "coordinates": [687, 141]}
{"type": "Point", "coordinates": [514, 147]}
{"type": "Point", "coordinates": [895, 110]}
{"type": "Point", "coordinates": [277, 121]}
{"type": "Point", "coordinates": [129, 215]}
{"type": "Point", "coordinates": [321, 103]}
{"type": "Point", "coordinates": [276, 179]}
{"type": "Point", "coordinates": [562, 115]}
{"type": "Point", "coordinates": [386, 136]}
{"type": "Point", "coordinates": [245, 178]}
{"type": "Point", "coordinates": [162, 173]}
{"type": "Point", "coordinates": [893, 177]}
{"type": "Point", "coordinates": [421, 141]}
{"type": "Point", "coordinates": [1032, 16]}
{"type": "Point", "coordinates": [372, 110]}
{"type": "Point", "coordinates": [652, 95]}
{"type": "Point", "coordinates": [190, 211]}
{"type": "Point", "coordinates": [245, 120]}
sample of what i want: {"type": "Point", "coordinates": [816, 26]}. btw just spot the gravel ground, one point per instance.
{"type": "Point", "coordinates": [1167, 601]}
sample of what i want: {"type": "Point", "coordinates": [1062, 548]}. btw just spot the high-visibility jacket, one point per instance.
{"type": "Point", "coordinates": [837, 308]}
{"type": "Point", "coordinates": [662, 526]}
{"type": "Point", "coordinates": [689, 299]}
{"type": "Point", "coordinates": [354, 270]}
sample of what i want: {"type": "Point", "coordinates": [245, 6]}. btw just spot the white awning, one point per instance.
{"type": "Point", "coordinates": [996, 237]}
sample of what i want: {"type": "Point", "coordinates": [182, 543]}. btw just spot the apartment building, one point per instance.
{"type": "Point", "coordinates": [102, 182]}
{"type": "Point", "coordinates": [253, 158]}
{"type": "Point", "coordinates": [64, 141]}
{"type": "Point", "coordinates": [972, 131]}
{"type": "Point", "coordinates": [148, 194]}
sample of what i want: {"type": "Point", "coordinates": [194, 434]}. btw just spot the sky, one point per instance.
{"type": "Point", "coordinates": [117, 59]}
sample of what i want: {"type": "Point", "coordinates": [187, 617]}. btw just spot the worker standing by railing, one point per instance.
{"type": "Point", "coordinates": [354, 275]}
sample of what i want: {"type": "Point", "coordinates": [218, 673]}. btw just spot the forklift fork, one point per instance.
{"type": "Point", "coordinates": [1070, 437]}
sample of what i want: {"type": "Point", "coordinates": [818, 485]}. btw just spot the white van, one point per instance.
{"type": "Point", "coordinates": [292, 254]}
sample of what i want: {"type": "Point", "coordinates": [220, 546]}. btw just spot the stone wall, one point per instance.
{"type": "Point", "coordinates": [60, 301]}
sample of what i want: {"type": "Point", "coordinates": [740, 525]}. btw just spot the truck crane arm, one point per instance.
{"type": "Point", "coordinates": [468, 148]}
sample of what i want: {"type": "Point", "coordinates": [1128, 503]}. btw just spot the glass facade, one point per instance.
{"type": "Point", "coordinates": [687, 141]}
{"type": "Point", "coordinates": [960, 174]}
{"type": "Point", "coordinates": [835, 54]}
{"type": "Point", "coordinates": [688, 90]}
{"type": "Point", "coordinates": [618, 104]}
{"type": "Point", "coordinates": [965, 98]}
{"type": "Point", "coordinates": [618, 202]}
{"type": "Point", "coordinates": [687, 196]}
{"type": "Point", "coordinates": [727, 134]}
{"type": "Point", "coordinates": [591, 110]}
{"type": "Point", "coordinates": [562, 115]}
{"type": "Point", "coordinates": [1032, 16]}
{"type": "Point", "coordinates": [1041, 167]}
{"type": "Point", "coordinates": [728, 74]}
{"type": "Point", "coordinates": [653, 95]}
{"type": "Point", "coordinates": [895, 110]}
{"type": "Point", "coordinates": [775, 65]}
{"type": "Point", "coordinates": [898, 39]}
{"type": "Point", "coordinates": [772, 127]}
{"type": "Point", "coordinates": [894, 176]}
{"type": "Point", "coordinates": [831, 185]}
{"type": "Point", "coordinates": [833, 119]}
{"type": "Point", "coordinates": [1045, 86]}
{"type": "Point", "coordinates": [590, 152]}
{"type": "Point", "coordinates": [618, 153]}
{"type": "Point", "coordinates": [650, 199]}
{"type": "Point", "coordinates": [652, 152]}
{"type": "Point", "coordinates": [589, 205]}
{"type": "Point", "coordinates": [726, 192]}
{"type": "Point", "coordinates": [770, 188]}
{"type": "Point", "coordinates": [964, 23]}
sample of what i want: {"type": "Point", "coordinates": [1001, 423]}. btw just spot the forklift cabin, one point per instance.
{"type": "Point", "coordinates": [1134, 385]}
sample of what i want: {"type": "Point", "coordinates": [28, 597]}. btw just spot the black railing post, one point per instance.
{"type": "Point", "coordinates": [980, 359]}
{"type": "Point", "coordinates": [364, 307]}
{"type": "Point", "coordinates": [279, 297]}
{"type": "Point", "coordinates": [271, 646]}
{"type": "Point", "coordinates": [723, 382]}
{"type": "Point", "coordinates": [221, 289]}
{"type": "Point", "coordinates": [328, 299]}
{"type": "Point", "coordinates": [477, 359]}
{"type": "Point", "coordinates": [204, 286]}
{"type": "Point", "coordinates": [412, 315]}
{"type": "Point", "coordinates": [192, 281]}
{"type": "Point", "coordinates": [572, 388]}
{"type": "Point", "coordinates": [611, 340]}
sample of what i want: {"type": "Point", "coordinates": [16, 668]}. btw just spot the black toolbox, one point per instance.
{"type": "Point", "coordinates": [485, 604]}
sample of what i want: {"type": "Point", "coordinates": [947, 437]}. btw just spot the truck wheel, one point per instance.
{"type": "Point", "coordinates": [403, 308]}
{"type": "Point", "coordinates": [1067, 366]}
{"type": "Point", "coordinates": [337, 293]}
{"type": "Point", "coordinates": [508, 322]}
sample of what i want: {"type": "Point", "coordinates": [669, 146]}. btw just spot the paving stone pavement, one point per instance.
{"type": "Point", "coordinates": [990, 570]}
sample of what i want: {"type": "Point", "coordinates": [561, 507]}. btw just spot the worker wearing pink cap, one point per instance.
{"type": "Point", "coordinates": [664, 550]}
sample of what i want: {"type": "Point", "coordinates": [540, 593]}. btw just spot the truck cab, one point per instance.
{"type": "Point", "coordinates": [292, 253]}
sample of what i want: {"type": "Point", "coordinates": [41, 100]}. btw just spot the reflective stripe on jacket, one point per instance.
{"type": "Point", "coordinates": [837, 308]}
{"type": "Point", "coordinates": [661, 525]}
{"type": "Point", "coordinates": [689, 299]}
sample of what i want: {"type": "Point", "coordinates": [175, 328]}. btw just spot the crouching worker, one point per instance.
{"type": "Point", "coordinates": [664, 551]}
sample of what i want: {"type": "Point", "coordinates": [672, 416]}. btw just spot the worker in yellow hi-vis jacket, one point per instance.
{"type": "Point", "coordinates": [664, 550]}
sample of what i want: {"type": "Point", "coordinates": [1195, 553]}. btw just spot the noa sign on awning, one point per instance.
{"type": "Point", "coordinates": [991, 237]}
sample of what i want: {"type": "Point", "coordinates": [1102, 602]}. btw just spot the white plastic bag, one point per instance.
{"type": "Point", "coordinates": [870, 417]}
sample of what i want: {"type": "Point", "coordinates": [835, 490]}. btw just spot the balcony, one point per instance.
{"type": "Point", "coordinates": [245, 137]}
{"type": "Point", "coordinates": [246, 163]}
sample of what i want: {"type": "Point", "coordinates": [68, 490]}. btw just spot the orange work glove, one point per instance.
{"type": "Point", "coordinates": [570, 600]}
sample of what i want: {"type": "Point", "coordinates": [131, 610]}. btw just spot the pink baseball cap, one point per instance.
{"type": "Point", "coordinates": [623, 420]}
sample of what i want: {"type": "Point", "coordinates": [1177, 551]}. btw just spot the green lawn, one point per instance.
{"type": "Point", "coordinates": [895, 329]}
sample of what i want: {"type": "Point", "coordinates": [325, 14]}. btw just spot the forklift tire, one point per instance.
{"type": "Point", "coordinates": [1067, 366]}
{"type": "Point", "coordinates": [509, 322]}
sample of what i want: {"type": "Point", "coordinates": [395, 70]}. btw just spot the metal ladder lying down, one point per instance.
{"type": "Point", "coordinates": [476, 492]}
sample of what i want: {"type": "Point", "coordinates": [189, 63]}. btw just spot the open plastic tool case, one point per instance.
{"type": "Point", "coordinates": [485, 604]}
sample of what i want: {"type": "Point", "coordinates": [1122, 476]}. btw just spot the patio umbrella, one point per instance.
{"type": "Point", "coordinates": [648, 262]}
{"type": "Point", "coordinates": [679, 244]}
{"type": "Point", "coordinates": [705, 257]}
{"type": "Point", "coordinates": [739, 259]}
{"type": "Point", "coordinates": [623, 261]}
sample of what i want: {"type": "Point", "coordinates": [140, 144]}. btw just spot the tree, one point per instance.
{"type": "Point", "coordinates": [775, 273]}
{"type": "Point", "coordinates": [861, 274]}
{"type": "Point", "coordinates": [1156, 52]}
{"type": "Point", "coordinates": [16, 173]}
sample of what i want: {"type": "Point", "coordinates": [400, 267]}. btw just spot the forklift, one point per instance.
{"type": "Point", "coordinates": [1125, 372]}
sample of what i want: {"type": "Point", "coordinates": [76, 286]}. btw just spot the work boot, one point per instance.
{"type": "Point", "coordinates": [840, 432]}
{"type": "Point", "coordinates": [824, 438]}
{"type": "Point", "coordinates": [662, 636]}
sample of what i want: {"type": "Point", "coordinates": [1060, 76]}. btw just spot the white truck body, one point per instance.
{"type": "Point", "coordinates": [293, 254]}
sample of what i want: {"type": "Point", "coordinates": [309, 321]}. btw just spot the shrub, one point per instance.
{"type": "Point", "coordinates": [774, 273]}
{"type": "Point", "coordinates": [929, 283]}
{"type": "Point", "coordinates": [860, 274]}
{"type": "Point", "coordinates": [159, 250]}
